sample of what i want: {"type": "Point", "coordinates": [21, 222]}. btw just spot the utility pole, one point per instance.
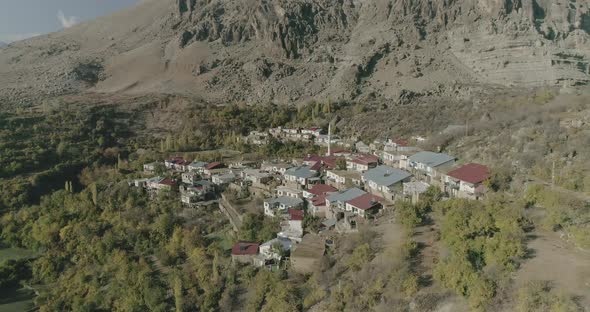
{"type": "Point", "coordinates": [329, 138]}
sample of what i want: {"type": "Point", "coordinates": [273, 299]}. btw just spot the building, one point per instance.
{"type": "Point", "coordinates": [413, 190]}
{"type": "Point", "coordinates": [258, 138]}
{"type": "Point", "coordinates": [365, 205]}
{"type": "Point", "coordinates": [337, 201]}
{"type": "Point", "coordinates": [292, 227]}
{"type": "Point", "coordinates": [306, 256]}
{"type": "Point", "coordinates": [301, 175]}
{"type": "Point", "coordinates": [177, 163]}
{"type": "Point", "coordinates": [198, 192]}
{"type": "Point", "coordinates": [280, 205]}
{"type": "Point", "coordinates": [429, 163]}
{"type": "Point", "coordinates": [244, 252]}
{"type": "Point", "coordinates": [467, 181]}
{"type": "Point", "coordinates": [151, 167]}
{"type": "Point", "coordinates": [318, 189]}
{"type": "Point", "coordinates": [317, 206]}
{"type": "Point", "coordinates": [275, 167]}
{"type": "Point", "coordinates": [362, 163]}
{"type": "Point", "coordinates": [223, 179]}
{"type": "Point", "coordinates": [361, 147]}
{"type": "Point", "coordinates": [160, 184]}
{"type": "Point", "coordinates": [275, 248]}
{"type": "Point", "coordinates": [213, 168]}
{"type": "Point", "coordinates": [256, 176]}
{"type": "Point", "coordinates": [189, 177]}
{"type": "Point", "coordinates": [289, 192]}
{"type": "Point", "coordinates": [386, 181]}
{"type": "Point", "coordinates": [344, 179]}
{"type": "Point", "coordinates": [197, 166]}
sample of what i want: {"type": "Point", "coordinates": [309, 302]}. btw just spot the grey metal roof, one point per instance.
{"type": "Point", "coordinates": [385, 175]}
{"type": "Point", "coordinates": [285, 242]}
{"type": "Point", "coordinates": [286, 201]}
{"type": "Point", "coordinates": [346, 195]}
{"type": "Point", "coordinates": [431, 159]}
{"type": "Point", "coordinates": [301, 172]}
{"type": "Point", "coordinates": [198, 164]}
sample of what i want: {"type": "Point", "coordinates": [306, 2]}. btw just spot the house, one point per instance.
{"type": "Point", "coordinates": [317, 206]}
{"type": "Point", "coordinates": [307, 255]}
{"type": "Point", "coordinates": [273, 249]}
{"type": "Point", "coordinates": [318, 189]}
{"type": "Point", "coordinates": [467, 181]}
{"type": "Point", "coordinates": [362, 163]}
{"type": "Point", "coordinates": [223, 179]}
{"type": "Point", "coordinates": [189, 177]}
{"type": "Point", "coordinates": [397, 159]}
{"type": "Point", "coordinates": [301, 175]}
{"type": "Point", "coordinates": [280, 205]}
{"type": "Point", "coordinates": [399, 145]}
{"type": "Point", "coordinates": [364, 205]}
{"type": "Point", "coordinates": [337, 201]}
{"type": "Point", "coordinates": [256, 176]}
{"type": "Point", "coordinates": [385, 180]}
{"type": "Point", "coordinates": [258, 138]}
{"type": "Point", "coordinates": [211, 167]}
{"type": "Point", "coordinates": [289, 192]}
{"type": "Point", "coordinates": [197, 166]}
{"type": "Point", "coordinates": [428, 163]}
{"type": "Point", "coordinates": [160, 184]}
{"type": "Point", "coordinates": [415, 189]}
{"type": "Point", "coordinates": [292, 227]}
{"type": "Point", "coordinates": [361, 147]}
{"type": "Point", "coordinates": [177, 163]}
{"type": "Point", "coordinates": [317, 162]}
{"type": "Point", "coordinates": [244, 252]}
{"type": "Point", "coordinates": [344, 179]}
{"type": "Point", "coordinates": [151, 167]}
{"type": "Point", "coordinates": [314, 131]}
{"type": "Point", "coordinates": [198, 192]}
{"type": "Point", "coordinates": [275, 167]}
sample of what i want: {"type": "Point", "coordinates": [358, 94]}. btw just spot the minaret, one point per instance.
{"type": "Point", "coordinates": [329, 139]}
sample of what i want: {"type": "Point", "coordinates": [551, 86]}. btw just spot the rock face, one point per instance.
{"type": "Point", "coordinates": [294, 50]}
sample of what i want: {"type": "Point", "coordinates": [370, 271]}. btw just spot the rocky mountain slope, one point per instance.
{"type": "Point", "coordinates": [294, 50]}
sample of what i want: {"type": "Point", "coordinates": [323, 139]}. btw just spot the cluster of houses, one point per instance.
{"type": "Point", "coordinates": [343, 188]}
{"type": "Point", "coordinates": [344, 196]}
{"type": "Point", "coordinates": [312, 135]}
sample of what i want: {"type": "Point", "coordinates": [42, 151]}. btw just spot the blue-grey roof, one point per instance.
{"type": "Point", "coordinates": [285, 200]}
{"type": "Point", "coordinates": [385, 175]}
{"type": "Point", "coordinates": [346, 195]}
{"type": "Point", "coordinates": [431, 159]}
{"type": "Point", "coordinates": [301, 172]}
{"type": "Point", "coordinates": [203, 183]}
{"type": "Point", "coordinates": [198, 164]}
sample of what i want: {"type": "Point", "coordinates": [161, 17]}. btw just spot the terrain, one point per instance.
{"type": "Point", "coordinates": [285, 52]}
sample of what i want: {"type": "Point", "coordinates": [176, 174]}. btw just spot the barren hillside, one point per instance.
{"type": "Point", "coordinates": [294, 50]}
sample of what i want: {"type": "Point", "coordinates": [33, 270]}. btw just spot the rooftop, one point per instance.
{"type": "Point", "coordinates": [213, 165]}
{"type": "Point", "coordinates": [286, 201]}
{"type": "Point", "coordinates": [366, 159]}
{"type": "Point", "coordinates": [347, 195]}
{"type": "Point", "coordinates": [320, 189]}
{"type": "Point", "coordinates": [347, 174]}
{"type": "Point", "coordinates": [296, 215]}
{"type": "Point", "coordinates": [244, 248]}
{"type": "Point", "coordinates": [385, 175]}
{"type": "Point", "coordinates": [283, 241]}
{"type": "Point", "coordinates": [471, 173]}
{"type": "Point", "coordinates": [431, 159]}
{"type": "Point", "coordinates": [304, 172]}
{"type": "Point", "coordinates": [365, 202]}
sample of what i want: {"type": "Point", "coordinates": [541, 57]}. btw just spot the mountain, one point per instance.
{"type": "Point", "coordinates": [296, 50]}
{"type": "Point", "coordinates": [3, 44]}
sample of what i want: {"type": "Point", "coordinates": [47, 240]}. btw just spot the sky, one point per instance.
{"type": "Point", "coordinates": [20, 19]}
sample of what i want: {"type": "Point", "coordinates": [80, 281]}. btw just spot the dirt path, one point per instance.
{"type": "Point", "coordinates": [554, 260]}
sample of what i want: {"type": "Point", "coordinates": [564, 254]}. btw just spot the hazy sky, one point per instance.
{"type": "Point", "coordinates": [20, 19]}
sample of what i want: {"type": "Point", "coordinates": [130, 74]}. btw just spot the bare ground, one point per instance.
{"type": "Point", "coordinates": [553, 259]}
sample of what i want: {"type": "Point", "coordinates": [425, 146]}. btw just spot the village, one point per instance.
{"type": "Point", "coordinates": [350, 185]}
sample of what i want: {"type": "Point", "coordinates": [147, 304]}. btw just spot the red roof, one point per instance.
{"type": "Point", "coordinates": [328, 161]}
{"type": "Point", "coordinates": [365, 202]}
{"type": "Point", "coordinates": [296, 215]}
{"type": "Point", "coordinates": [317, 166]}
{"type": "Point", "coordinates": [319, 201]}
{"type": "Point", "coordinates": [401, 142]}
{"type": "Point", "coordinates": [244, 249]}
{"type": "Point", "coordinates": [169, 182]}
{"type": "Point", "coordinates": [321, 189]}
{"type": "Point", "coordinates": [366, 159]}
{"type": "Point", "coordinates": [471, 173]}
{"type": "Point", "coordinates": [213, 165]}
